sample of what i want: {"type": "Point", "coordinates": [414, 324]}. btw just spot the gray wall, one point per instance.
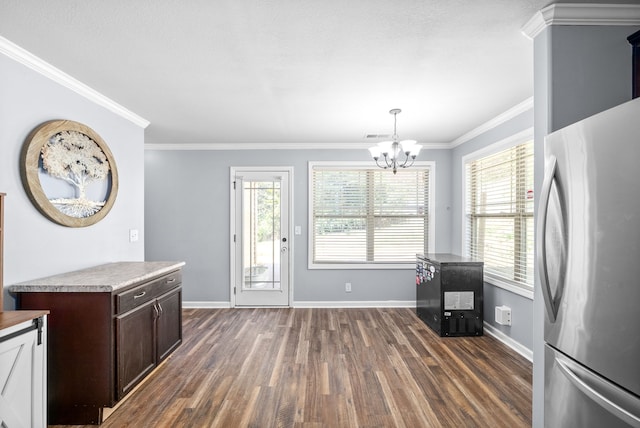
{"type": "Point", "coordinates": [578, 71]}
{"type": "Point", "coordinates": [187, 218]}
{"type": "Point", "coordinates": [34, 246]}
{"type": "Point", "coordinates": [521, 307]}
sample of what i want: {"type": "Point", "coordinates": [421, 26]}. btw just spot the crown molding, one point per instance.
{"type": "Point", "coordinates": [582, 14]}
{"type": "Point", "coordinates": [493, 123]}
{"type": "Point", "coordinates": [36, 64]}
{"type": "Point", "coordinates": [265, 145]}
{"type": "Point", "coordinates": [275, 146]}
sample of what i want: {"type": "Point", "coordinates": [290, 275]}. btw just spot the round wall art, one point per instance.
{"type": "Point", "coordinates": [69, 173]}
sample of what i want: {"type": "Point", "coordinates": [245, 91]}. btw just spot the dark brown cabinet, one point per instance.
{"type": "Point", "coordinates": [169, 324]}
{"type": "Point", "coordinates": [146, 336]}
{"type": "Point", "coordinates": [135, 347]}
{"type": "Point", "coordinates": [104, 343]}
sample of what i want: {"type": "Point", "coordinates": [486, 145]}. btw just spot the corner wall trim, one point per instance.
{"type": "Point", "coordinates": [582, 14]}
{"type": "Point", "coordinates": [38, 65]}
{"type": "Point", "coordinates": [508, 341]}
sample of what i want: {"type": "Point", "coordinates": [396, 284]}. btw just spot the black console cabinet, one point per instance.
{"type": "Point", "coordinates": [634, 39]}
{"type": "Point", "coordinates": [449, 295]}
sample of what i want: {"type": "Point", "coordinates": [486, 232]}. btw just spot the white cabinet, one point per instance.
{"type": "Point", "coordinates": [23, 374]}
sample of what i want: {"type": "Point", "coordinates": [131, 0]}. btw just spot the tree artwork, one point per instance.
{"type": "Point", "coordinates": [78, 160]}
{"type": "Point", "coordinates": [69, 173]}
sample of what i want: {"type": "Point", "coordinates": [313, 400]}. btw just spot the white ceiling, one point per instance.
{"type": "Point", "coordinates": [289, 71]}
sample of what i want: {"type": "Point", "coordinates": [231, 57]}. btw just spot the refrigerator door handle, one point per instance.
{"type": "Point", "coordinates": [613, 399]}
{"type": "Point", "coordinates": [552, 311]}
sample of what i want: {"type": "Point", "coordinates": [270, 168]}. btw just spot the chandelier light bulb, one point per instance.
{"type": "Point", "coordinates": [407, 145]}
{"type": "Point", "coordinates": [385, 147]}
{"type": "Point", "coordinates": [375, 152]}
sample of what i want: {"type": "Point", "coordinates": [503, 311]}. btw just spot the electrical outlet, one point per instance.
{"type": "Point", "coordinates": [133, 235]}
{"type": "Point", "coordinates": [503, 315]}
{"type": "Point", "coordinates": [347, 287]}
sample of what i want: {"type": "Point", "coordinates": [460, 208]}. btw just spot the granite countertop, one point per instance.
{"type": "Point", "coordinates": [104, 278]}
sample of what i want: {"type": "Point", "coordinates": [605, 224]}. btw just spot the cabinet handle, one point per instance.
{"type": "Point", "coordinates": [161, 310]}
{"type": "Point", "coordinates": [137, 296]}
{"type": "Point", "coordinates": [169, 281]}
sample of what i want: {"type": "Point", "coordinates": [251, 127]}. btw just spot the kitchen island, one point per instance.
{"type": "Point", "coordinates": [109, 327]}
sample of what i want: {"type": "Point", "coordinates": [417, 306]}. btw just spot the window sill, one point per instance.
{"type": "Point", "coordinates": [520, 291]}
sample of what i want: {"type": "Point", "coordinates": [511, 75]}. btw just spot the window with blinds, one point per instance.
{"type": "Point", "coordinates": [368, 216]}
{"type": "Point", "coordinates": [499, 213]}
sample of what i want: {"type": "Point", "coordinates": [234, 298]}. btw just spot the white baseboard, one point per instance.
{"type": "Point", "coordinates": [357, 304]}
{"type": "Point", "coordinates": [516, 346]}
{"type": "Point", "coordinates": [314, 304]}
{"type": "Point", "coordinates": [206, 305]}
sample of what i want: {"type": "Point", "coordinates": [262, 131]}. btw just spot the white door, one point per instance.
{"type": "Point", "coordinates": [260, 236]}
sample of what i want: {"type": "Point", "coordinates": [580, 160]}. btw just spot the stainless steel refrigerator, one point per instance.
{"type": "Point", "coordinates": [588, 242]}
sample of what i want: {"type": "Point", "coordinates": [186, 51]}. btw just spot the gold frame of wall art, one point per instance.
{"type": "Point", "coordinates": [63, 156]}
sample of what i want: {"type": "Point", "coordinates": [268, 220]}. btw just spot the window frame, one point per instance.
{"type": "Point", "coordinates": [362, 165]}
{"type": "Point", "coordinates": [504, 144]}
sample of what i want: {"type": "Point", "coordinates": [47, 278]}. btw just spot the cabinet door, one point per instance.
{"type": "Point", "coordinates": [135, 346]}
{"type": "Point", "coordinates": [22, 384]}
{"type": "Point", "coordinates": [169, 323]}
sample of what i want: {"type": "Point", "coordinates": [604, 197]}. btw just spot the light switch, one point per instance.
{"type": "Point", "coordinates": [298, 230]}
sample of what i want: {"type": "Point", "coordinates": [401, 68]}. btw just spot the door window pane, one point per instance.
{"type": "Point", "coordinates": [261, 235]}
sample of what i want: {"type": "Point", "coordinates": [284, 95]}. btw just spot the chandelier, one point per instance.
{"type": "Point", "coordinates": [396, 154]}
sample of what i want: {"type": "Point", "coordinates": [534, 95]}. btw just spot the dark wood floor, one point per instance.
{"type": "Point", "coordinates": [329, 368]}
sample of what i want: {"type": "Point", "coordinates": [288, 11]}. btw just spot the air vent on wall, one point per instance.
{"type": "Point", "coordinates": [377, 136]}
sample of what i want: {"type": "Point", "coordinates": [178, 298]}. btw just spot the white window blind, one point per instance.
{"type": "Point", "coordinates": [499, 213]}
{"type": "Point", "coordinates": [368, 216]}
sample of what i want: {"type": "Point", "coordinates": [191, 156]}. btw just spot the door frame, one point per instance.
{"type": "Point", "coordinates": [233, 172]}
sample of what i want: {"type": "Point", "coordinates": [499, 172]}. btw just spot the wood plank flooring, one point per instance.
{"type": "Point", "coordinates": [329, 368]}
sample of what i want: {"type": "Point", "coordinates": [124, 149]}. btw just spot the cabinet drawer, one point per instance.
{"type": "Point", "coordinates": [168, 282]}
{"type": "Point", "coordinates": [143, 293]}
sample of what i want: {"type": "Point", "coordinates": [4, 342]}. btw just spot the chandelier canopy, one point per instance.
{"type": "Point", "coordinates": [395, 154]}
